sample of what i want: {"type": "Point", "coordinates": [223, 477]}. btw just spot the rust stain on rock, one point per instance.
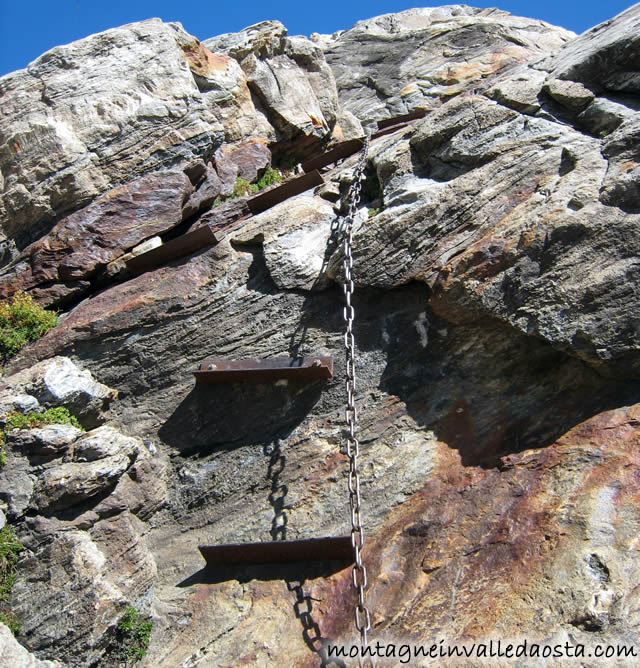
{"type": "Point", "coordinates": [203, 62]}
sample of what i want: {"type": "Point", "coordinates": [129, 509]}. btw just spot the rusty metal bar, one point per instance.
{"type": "Point", "coordinates": [266, 200]}
{"type": "Point", "coordinates": [338, 152]}
{"type": "Point", "coordinates": [405, 118]}
{"type": "Point", "coordinates": [389, 130]}
{"type": "Point", "coordinates": [179, 247]}
{"type": "Point", "coordinates": [285, 551]}
{"type": "Point", "coordinates": [220, 371]}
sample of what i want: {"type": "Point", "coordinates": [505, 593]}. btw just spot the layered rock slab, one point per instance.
{"type": "Point", "coordinates": [394, 63]}
{"type": "Point", "coordinates": [85, 117]}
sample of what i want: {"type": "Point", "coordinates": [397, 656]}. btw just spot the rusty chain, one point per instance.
{"type": "Point", "coordinates": [359, 573]}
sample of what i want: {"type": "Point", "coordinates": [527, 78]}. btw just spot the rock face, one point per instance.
{"type": "Point", "coordinates": [81, 501]}
{"type": "Point", "coordinates": [496, 268]}
{"type": "Point", "coordinates": [394, 63]}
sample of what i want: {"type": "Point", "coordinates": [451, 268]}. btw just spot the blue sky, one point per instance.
{"type": "Point", "coordinates": [31, 27]}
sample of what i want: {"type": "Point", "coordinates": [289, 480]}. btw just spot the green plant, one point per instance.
{"type": "Point", "coordinates": [269, 177]}
{"type": "Point", "coordinates": [604, 133]}
{"type": "Point", "coordinates": [3, 458]}
{"type": "Point", "coordinates": [21, 321]}
{"type": "Point", "coordinates": [373, 211]}
{"type": "Point", "coordinates": [9, 619]}
{"type": "Point", "coordinates": [242, 187]}
{"type": "Point", "coordinates": [134, 633]}
{"type": "Point", "coordinates": [31, 420]}
{"type": "Point", "coordinates": [10, 548]}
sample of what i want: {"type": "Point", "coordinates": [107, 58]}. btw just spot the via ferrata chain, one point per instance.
{"type": "Point", "coordinates": [359, 573]}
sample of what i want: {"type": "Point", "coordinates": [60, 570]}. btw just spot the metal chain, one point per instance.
{"type": "Point", "coordinates": [359, 573]}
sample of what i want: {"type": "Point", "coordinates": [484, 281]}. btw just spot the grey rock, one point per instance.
{"type": "Point", "coordinates": [83, 581]}
{"type": "Point", "coordinates": [13, 654]}
{"type": "Point", "coordinates": [50, 440]}
{"type": "Point", "coordinates": [295, 235]}
{"type": "Point", "coordinates": [289, 75]}
{"type": "Point", "coordinates": [395, 63]}
{"type": "Point", "coordinates": [64, 485]}
{"type": "Point", "coordinates": [621, 185]}
{"type": "Point", "coordinates": [63, 118]}
{"type": "Point", "coordinates": [3, 519]}
{"type": "Point", "coordinates": [604, 114]}
{"type": "Point", "coordinates": [519, 89]}
{"type": "Point", "coordinates": [104, 442]}
{"type": "Point", "coordinates": [570, 94]}
{"type": "Point", "coordinates": [59, 382]}
{"type": "Point", "coordinates": [17, 402]}
{"type": "Point", "coordinates": [604, 58]}
{"type": "Point", "coordinates": [17, 482]}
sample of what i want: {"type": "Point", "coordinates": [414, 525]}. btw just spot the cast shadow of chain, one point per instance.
{"type": "Point", "coordinates": [303, 606]}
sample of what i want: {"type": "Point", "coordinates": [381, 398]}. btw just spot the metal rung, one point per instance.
{"type": "Point", "coordinates": [338, 152]}
{"type": "Point", "coordinates": [288, 189]}
{"type": "Point", "coordinates": [179, 247]}
{"type": "Point", "coordinates": [219, 371]}
{"type": "Point", "coordinates": [405, 118]}
{"type": "Point", "coordinates": [285, 551]}
{"type": "Point", "coordinates": [389, 130]}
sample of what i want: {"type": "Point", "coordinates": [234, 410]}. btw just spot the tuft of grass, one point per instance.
{"type": "Point", "coordinates": [10, 548]}
{"type": "Point", "coordinates": [134, 632]}
{"type": "Point", "coordinates": [9, 619]}
{"type": "Point", "coordinates": [244, 188]}
{"type": "Point", "coordinates": [374, 211]}
{"type": "Point", "coordinates": [269, 177]}
{"type": "Point", "coordinates": [22, 320]}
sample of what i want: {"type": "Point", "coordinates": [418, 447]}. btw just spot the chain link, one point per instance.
{"type": "Point", "coordinates": [359, 573]}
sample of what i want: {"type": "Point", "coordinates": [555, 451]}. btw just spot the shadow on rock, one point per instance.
{"type": "Point", "coordinates": [489, 391]}
{"type": "Point", "coordinates": [234, 414]}
{"type": "Point", "coordinates": [293, 572]}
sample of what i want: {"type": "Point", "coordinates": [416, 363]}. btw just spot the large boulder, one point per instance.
{"type": "Point", "coordinates": [94, 114]}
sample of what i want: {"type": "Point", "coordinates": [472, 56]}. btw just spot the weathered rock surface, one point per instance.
{"type": "Point", "coordinates": [12, 653]}
{"type": "Point", "coordinates": [289, 76]}
{"type": "Point", "coordinates": [498, 358]}
{"type": "Point", "coordinates": [394, 63]}
{"type": "Point", "coordinates": [88, 240]}
{"type": "Point", "coordinates": [88, 116]}
{"type": "Point", "coordinates": [58, 382]}
{"type": "Point", "coordinates": [80, 500]}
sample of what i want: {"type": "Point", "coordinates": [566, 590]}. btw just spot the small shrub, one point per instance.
{"type": "Point", "coordinates": [373, 211]}
{"type": "Point", "coordinates": [10, 548]}
{"type": "Point", "coordinates": [31, 420]}
{"type": "Point", "coordinates": [242, 188]}
{"type": "Point", "coordinates": [269, 177]}
{"type": "Point", "coordinates": [3, 458]}
{"type": "Point", "coordinates": [21, 321]}
{"type": "Point", "coordinates": [9, 619]}
{"type": "Point", "coordinates": [134, 632]}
